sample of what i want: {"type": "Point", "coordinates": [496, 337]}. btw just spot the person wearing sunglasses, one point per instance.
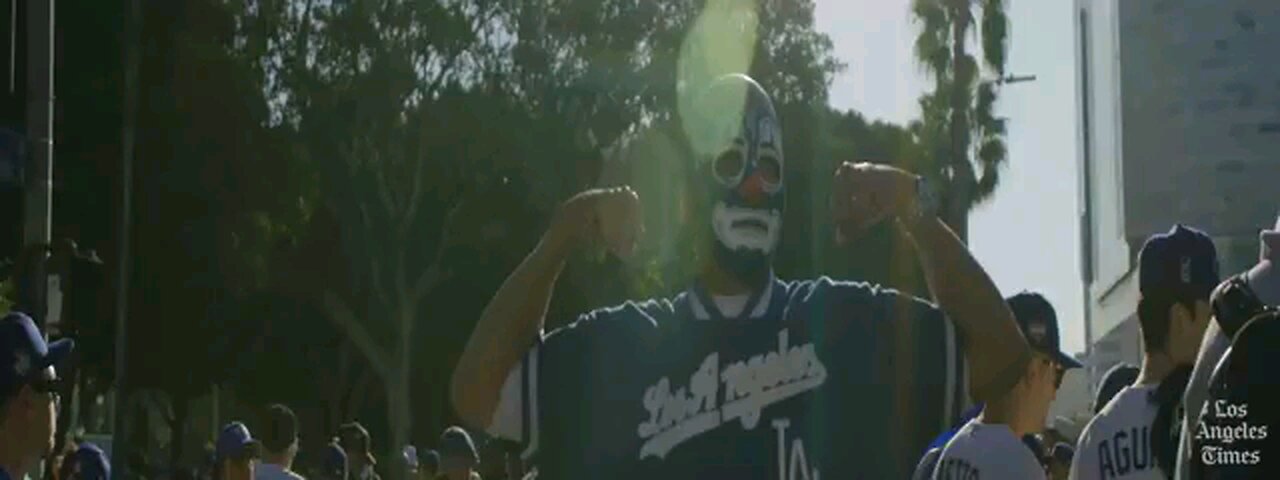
{"type": "Point", "coordinates": [1134, 436]}
{"type": "Point", "coordinates": [28, 394]}
{"type": "Point", "coordinates": [991, 446]}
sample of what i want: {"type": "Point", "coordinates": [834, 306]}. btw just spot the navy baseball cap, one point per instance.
{"type": "Point", "coordinates": [1039, 324]}
{"type": "Point", "coordinates": [1180, 262]}
{"type": "Point", "coordinates": [25, 353]}
{"type": "Point", "coordinates": [1113, 381]}
{"type": "Point", "coordinates": [91, 462]}
{"type": "Point", "coordinates": [428, 460]}
{"type": "Point", "coordinates": [235, 442]}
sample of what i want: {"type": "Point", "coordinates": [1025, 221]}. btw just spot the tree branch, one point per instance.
{"type": "Point", "coordinates": [434, 274]}
{"type": "Point", "coordinates": [383, 188]}
{"type": "Point", "coordinates": [379, 286]}
{"type": "Point", "coordinates": [415, 194]}
{"type": "Point", "coordinates": [346, 321]}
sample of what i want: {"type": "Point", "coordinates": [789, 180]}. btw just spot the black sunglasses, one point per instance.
{"type": "Point", "coordinates": [49, 387]}
{"type": "Point", "coordinates": [1058, 371]}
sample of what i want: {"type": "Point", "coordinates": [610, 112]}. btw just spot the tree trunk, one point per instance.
{"type": "Point", "coordinates": [398, 421]}
{"type": "Point", "coordinates": [957, 213]}
{"type": "Point", "coordinates": [358, 394]}
{"type": "Point", "coordinates": [956, 210]}
{"type": "Point", "coordinates": [399, 395]}
{"type": "Point", "coordinates": [178, 429]}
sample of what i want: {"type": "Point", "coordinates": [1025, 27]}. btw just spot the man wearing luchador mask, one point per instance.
{"type": "Point", "coordinates": [742, 375]}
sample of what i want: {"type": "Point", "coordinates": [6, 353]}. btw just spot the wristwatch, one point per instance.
{"type": "Point", "coordinates": [926, 204]}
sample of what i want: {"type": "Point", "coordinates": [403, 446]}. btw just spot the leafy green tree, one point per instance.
{"type": "Point", "coordinates": [213, 193]}
{"type": "Point", "coordinates": [372, 93]}
{"type": "Point", "coordinates": [958, 127]}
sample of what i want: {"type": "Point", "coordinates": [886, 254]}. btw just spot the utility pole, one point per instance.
{"type": "Point", "coordinates": [38, 222]}
{"type": "Point", "coordinates": [120, 411]}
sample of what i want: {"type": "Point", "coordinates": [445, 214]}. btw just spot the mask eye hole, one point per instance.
{"type": "Point", "coordinates": [770, 169]}
{"type": "Point", "coordinates": [728, 166]}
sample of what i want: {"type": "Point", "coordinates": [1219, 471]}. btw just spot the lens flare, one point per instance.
{"type": "Point", "coordinates": [722, 41]}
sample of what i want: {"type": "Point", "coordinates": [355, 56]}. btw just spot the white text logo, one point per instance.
{"type": "Point", "coordinates": [678, 415]}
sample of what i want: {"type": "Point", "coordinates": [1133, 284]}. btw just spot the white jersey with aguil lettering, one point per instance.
{"type": "Point", "coordinates": [987, 451]}
{"type": "Point", "coordinates": [1117, 442]}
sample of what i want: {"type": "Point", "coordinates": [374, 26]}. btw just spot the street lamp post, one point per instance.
{"type": "Point", "coordinates": [120, 410]}
{"type": "Point", "coordinates": [38, 224]}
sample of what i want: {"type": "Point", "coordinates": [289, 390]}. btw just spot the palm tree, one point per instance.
{"type": "Point", "coordinates": [964, 141]}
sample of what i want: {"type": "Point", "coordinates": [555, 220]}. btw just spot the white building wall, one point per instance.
{"type": "Point", "coordinates": [1193, 83]}
{"type": "Point", "coordinates": [1109, 299]}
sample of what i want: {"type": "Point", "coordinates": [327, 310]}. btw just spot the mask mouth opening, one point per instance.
{"type": "Point", "coordinates": [751, 224]}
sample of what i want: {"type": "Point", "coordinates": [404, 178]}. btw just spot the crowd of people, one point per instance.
{"type": "Point", "coordinates": [272, 455]}
{"type": "Point", "coordinates": [1152, 421]}
{"type": "Point", "coordinates": [747, 376]}
{"type": "Point", "coordinates": [744, 375]}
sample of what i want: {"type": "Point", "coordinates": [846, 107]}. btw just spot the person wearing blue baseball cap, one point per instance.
{"type": "Point", "coordinates": [1132, 438]}
{"type": "Point", "coordinates": [1118, 377]}
{"type": "Point", "coordinates": [1001, 442]}
{"type": "Point", "coordinates": [89, 463]}
{"type": "Point", "coordinates": [235, 453]}
{"type": "Point", "coordinates": [1235, 301]}
{"type": "Point", "coordinates": [28, 394]}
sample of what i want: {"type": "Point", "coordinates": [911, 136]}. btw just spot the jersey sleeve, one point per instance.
{"type": "Point", "coordinates": [915, 345]}
{"type": "Point", "coordinates": [516, 416]}
{"type": "Point", "coordinates": [558, 371]}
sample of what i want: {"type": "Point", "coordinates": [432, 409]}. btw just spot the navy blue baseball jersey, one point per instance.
{"type": "Point", "coordinates": [818, 379]}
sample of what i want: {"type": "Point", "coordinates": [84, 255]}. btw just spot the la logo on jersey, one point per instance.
{"type": "Point", "coordinates": [680, 414]}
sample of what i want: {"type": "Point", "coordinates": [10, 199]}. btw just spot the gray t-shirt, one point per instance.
{"type": "Point", "coordinates": [987, 451]}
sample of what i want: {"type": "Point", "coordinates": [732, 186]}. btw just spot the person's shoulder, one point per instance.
{"type": "Point", "coordinates": [1119, 409]}
{"type": "Point", "coordinates": [632, 314]}
{"type": "Point", "coordinates": [269, 471]}
{"type": "Point", "coordinates": [824, 286]}
{"type": "Point", "coordinates": [973, 432]}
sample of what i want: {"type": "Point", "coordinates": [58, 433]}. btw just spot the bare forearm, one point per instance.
{"type": "Point", "coordinates": [509, 325]}
{"type": "Point", "coordinates": [996, 350]}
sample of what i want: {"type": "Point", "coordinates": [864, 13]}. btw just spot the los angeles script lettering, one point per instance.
{"type": "Point", "coordinates": [679, 414]}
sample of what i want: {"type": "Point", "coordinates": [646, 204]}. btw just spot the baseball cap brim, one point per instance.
{"type": "Point", "coordinates": [58, 350]}
{"type": "Point", "coordinates": [250, 449]}
{"type": "Point", "coordinates": [1067, 361]}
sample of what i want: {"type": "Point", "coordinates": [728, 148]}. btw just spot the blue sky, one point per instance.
{"type": "Point", "coordinates": [1027, 237]}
